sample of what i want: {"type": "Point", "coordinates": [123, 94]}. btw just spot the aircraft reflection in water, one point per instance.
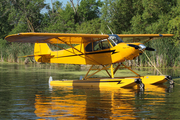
{"type": "Point", "coordinates": [84, 103]}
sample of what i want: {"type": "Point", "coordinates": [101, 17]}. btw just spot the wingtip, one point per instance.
{"type": "Point", "coordinates": [160, 35]}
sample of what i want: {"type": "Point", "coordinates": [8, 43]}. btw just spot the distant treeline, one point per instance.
{"type": "Point", "coordinates": [93, 16]}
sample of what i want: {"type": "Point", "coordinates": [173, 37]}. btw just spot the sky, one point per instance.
{"type": "Point", "coordinates": [63, 2]}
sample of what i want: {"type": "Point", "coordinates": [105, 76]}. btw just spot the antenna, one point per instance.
{"type": "Point", "coordinates": [110, 29]}
{"type": "Point", "coordinates": [101, 33]}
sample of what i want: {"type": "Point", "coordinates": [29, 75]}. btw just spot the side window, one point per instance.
{"type": "Point", "coordinates": [89, 47]}
{"type": "Point", "coordinates": [105, 44]}
{"type": "Point", "coordinates": [98, 45]}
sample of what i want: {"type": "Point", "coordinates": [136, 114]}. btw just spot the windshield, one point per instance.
{"type": "Point", "coordinates": [115, 38]}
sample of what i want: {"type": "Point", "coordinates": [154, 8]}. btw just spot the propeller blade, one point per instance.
{"type": "Point", "coordinates": [135, 46]}
{"type": "Point", "coordinates": [142, 47]}
{"type": "Point", "coordinates": [150, 49]}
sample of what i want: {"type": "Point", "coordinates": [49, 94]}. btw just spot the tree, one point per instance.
{"type": "Point", "coordinates": [151, 16]}
{"type": "Point", "coordinates": [174, 23]}
{"type": "Point", "coordinates": [25, 15]}
{"type": "Point", "coordinates": [118, 14]}
{"type": "Point", "coordinates": [62, 19]}
{"type": "Point", "coordinates": [5, 26]}
{"type": "Point", "coordinates": [88, 10]}
{"type": "Point", "coordinates": [90, 27]}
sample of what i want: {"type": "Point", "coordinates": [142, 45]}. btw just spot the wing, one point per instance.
{"type": "Point", "coordinates": [68, 38]}
{"type": "Point", "coordinates": [142, 37]}
{"type": "Point", "coordinates": [55, 38]}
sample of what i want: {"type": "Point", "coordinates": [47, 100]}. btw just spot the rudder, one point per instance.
{"type": "Point", "coordinates": [41, 48]}
{"type": "Point", "coordinates": [42, 52]}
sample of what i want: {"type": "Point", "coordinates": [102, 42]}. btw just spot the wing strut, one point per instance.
{"type": "Point", "coordinates": [79, 52]}
{"type": "Point", "coordinates": [112, 73]}
{"type": "Point", "coordinates": [124, 67]}
{"type": "Point", "coordinates": [148, 40]}
{"type": "Point", "coordinates": [91, 59]}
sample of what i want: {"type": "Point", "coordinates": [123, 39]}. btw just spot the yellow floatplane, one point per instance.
{"type": "Point", "coordinates": [93, 49]}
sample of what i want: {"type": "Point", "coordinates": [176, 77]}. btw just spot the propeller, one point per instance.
{"type": "Point", "coordinates": [141, 46]}
{"type": "Point", "coordinates": [150, 49]}
{"type": "Point", "coordinates": [135, 46]}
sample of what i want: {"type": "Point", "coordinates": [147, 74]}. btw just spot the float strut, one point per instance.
{"type": "Point", "coordinates": [130, 69]}
{"type": "Point", "coordinates": [112, 73]}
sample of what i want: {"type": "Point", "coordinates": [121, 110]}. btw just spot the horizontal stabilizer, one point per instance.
{"type": "Point", "coordinates": [37, 55]}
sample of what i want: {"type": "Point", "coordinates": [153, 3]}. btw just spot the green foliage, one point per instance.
{"type": "Point", "coordinates": [61, 20]}
{"type": "Point", "coordinates": [91, 27]}
{"type": "Point", "coordinates": [93, 16]}
{"type": "Point", "coordinates": [166, 54]}
{"type": "Point", "coordinates": [5, 28]}
{"type": "Point", "coordinates": [152, 16]}
{"type": "Point", "coordinates": [88, 10]}
{"type": "Point", "coordinates": [118, 14]}
{"type": "Point", "coordinates": [25, 15]}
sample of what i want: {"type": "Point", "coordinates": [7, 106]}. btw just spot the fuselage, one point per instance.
{"type": "Point", "coordinates": [106, 51]}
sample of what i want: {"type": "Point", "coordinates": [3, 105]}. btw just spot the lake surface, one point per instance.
{"type": "Point", "coordinates": [25, 94]}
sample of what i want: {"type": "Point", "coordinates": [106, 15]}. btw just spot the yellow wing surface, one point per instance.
{"type": "Point", "coordinates": [69, 38]}
{"type": "Point", "coordinates": [55, 38]}
{"type": "Point", "coordinates": [142, 37]}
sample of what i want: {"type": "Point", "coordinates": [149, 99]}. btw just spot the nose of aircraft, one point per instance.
{"type": "Point", "coordinates": [141, 47]}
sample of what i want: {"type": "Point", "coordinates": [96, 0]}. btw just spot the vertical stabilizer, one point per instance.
{"type": "Point", "coordinates": [42, 52]}
{"type": "Point", "coordinates": [41, 49]}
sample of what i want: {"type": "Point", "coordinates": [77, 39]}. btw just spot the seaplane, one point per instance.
{"type": "Point", "coordinates": [107, 51]}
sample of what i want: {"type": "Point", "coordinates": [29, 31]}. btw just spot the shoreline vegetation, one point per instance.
{"type": "Point", "coordinates": [81, 70]}
{"type": "Point", "coordinates": [92, 17]}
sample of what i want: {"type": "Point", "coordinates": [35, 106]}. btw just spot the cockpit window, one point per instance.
{"type": "Point", "coordinates": [98, 45]}
{"type": "Point", "coordinates": [104, 44]}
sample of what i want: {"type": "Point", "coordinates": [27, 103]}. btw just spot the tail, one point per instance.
{"type": "Point", "coordinates": [42, 52]}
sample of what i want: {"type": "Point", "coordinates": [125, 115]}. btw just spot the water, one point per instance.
{"type": "Point", "coordinates": [25, 94]}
